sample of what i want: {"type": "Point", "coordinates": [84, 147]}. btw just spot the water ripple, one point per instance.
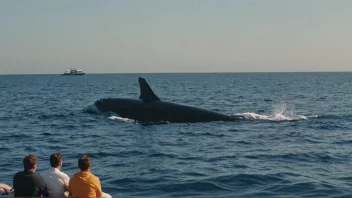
{"type": "Point", "coordinates": [294, 141]}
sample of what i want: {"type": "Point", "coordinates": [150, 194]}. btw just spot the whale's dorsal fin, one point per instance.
{"type": "Point", "coordinates": [147, 94]}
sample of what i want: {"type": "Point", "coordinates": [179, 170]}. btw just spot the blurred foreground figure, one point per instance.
{"type": "Point", "coordinates": [28, 184]}
{"type": "Point", "coordinates": [55, 180]}
{"type": "Point", "coordinates": [84, 183]}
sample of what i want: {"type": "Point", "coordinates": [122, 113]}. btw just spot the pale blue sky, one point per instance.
{"type": "Point", "coordinates": [41, 36]}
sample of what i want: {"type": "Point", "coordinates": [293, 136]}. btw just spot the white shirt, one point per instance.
{"type": "Point", "coordinates": [56, 182]}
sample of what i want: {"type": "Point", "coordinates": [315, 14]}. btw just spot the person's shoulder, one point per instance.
{"type": "Point", "coordinates": [18, 173]}
{"type": "Point", "coordinates": [74, 177]}
{"type": "Point", "coordinates": [37, 176]}
{"type": "Point", "coordinates": [94, 177]}
{"type": "Point", "coordinates": [44, 173]}
{"type": "Point", "coordinates": [64, 175]}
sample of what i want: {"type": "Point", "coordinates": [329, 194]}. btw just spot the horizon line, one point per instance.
{"type": "Point", "coordinates": [94, 73]}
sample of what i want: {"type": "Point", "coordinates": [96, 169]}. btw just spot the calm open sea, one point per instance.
{"type": "Point", "coordinates": [295, 139]}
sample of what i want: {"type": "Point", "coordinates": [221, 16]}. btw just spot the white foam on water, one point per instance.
{"type": "Point", "coordinates": [121, 119]}
{"type": "Point", "coordinates": [280, 114]}
{"type": "Point", "coordinates": [118, 118]}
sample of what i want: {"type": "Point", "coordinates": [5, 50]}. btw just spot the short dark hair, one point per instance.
{"type": "Point", "coordinates": [84, 162]}
{"type": "Point", "coordinates": [55, 159]}
{"type": "Point", "coordinates": [29, 161]}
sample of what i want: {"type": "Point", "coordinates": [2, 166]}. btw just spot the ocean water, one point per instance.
{"type": "Point", "coordinates": [294, 140]}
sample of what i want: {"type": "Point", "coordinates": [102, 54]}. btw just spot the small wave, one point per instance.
{"type": "Point", "coordinates": [54, 115]}
{"type": "Point", "coordinates": [196, 187]}
{"type": "Point", "coordinates": [130, 153]}
{"type": "Point", "coordinates": [194, 174]}
{"type": "Point", "coordinates": [102, 154]}
{"type": "Point", "coordinates": [249, 179]}
{"type": "Point", "coordinates": [46, 134]}
{"type": "Point", "coordinates": [46, 117]}
{"type": "Point", "coordinates": [4, 149]}
{"type": "Point", "coordinates": [56, 147]}
{"type": "Point", "coordinates": [157, 155]}
{"type": "Point", "coordinates": [243, 142]}
{"type": "Point", "coordinates": [331, 125]}
{"type": "Point", "coordinates": [343, 142]}
{"type": "Point", "coordinates": [203, 134]}
{"type": "Point", "coordinates": [30, 149]}
{"type": "Point", "coordinates": [300, 157]}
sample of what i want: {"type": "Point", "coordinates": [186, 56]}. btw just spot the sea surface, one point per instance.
{"type": "Point", "coordinates": [294, 138]}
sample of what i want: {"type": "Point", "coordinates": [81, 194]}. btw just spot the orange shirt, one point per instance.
{"type": "Point", "coordinates": [85, 185]}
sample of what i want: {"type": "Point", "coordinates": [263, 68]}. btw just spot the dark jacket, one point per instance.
{"type": "Point", "coordinates": [29, 184]}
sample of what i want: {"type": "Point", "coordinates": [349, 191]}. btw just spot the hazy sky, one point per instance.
{"type": "Point", "coordinates": [175, 35]}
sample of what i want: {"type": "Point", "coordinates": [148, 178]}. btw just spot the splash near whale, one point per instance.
{"type": "Point", "coordinates": [149, 108]}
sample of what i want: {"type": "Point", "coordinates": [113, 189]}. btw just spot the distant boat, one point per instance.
{"type": "Point", "coordinates": [73, 72]}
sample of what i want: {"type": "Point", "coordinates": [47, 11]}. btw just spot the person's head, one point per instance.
{"type": "Point", "coordinates": [84, 163]}
{"type": "Point", "coordinates": [30, 162]}
{"type": "Point", "coordinates": [56, 160]}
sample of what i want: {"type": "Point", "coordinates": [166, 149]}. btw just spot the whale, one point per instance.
{"type": "Point", "coordinates": [149, 108]}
